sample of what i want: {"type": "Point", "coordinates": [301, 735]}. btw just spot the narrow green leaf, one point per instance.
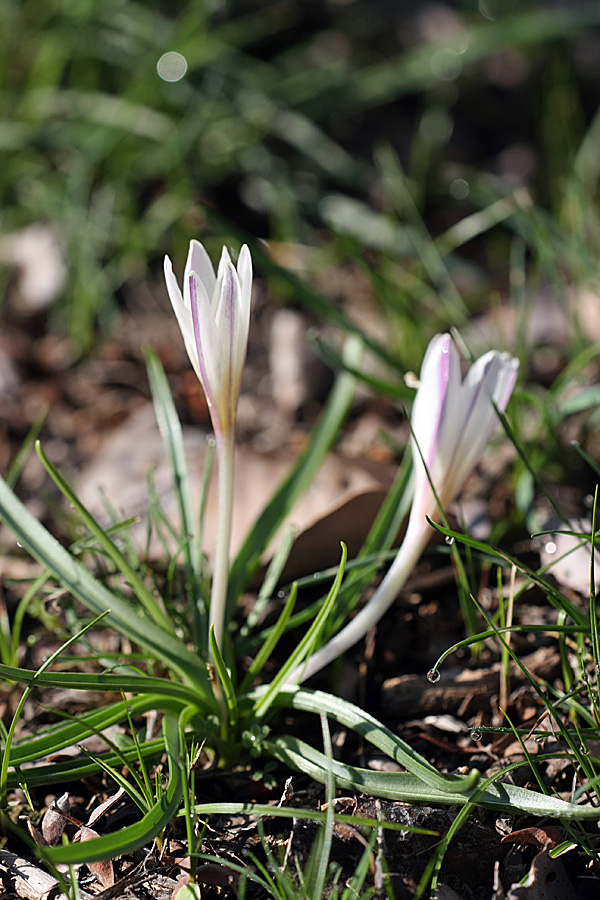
{"type": "Point", "coordinates": [558, 600]}
{"type": "Point", "coordinates": [369, 728]}
{"type": "Point", "coordinates": [6, 754]}
{"type": "Point", "coordinates": [409, 788]}
{"type": "Point", "coordinates": [172, 435]}
{"type": "Point", "coordinates": [60, 771]}
{"type": "Point", "coordinates": [271, 641]}
{"type": "Point", "coordinates": [114, 554]}
{"type": "Point", "coordinates": [299, 479]}
{"type": "Point", "coordinates": [134, 836]}
{"type": "Point", "coordinates": [312, 815]}
{"type": "Point", "coordinates": [127, 619]}
{"type": "Point", "coordinates": [226, 684]}
{"type": "Point", "coordinates": [267, 588]}
{"type": "Point", "coordinates": [306, 645]}
{"type": "Point", "coordinates": [101, 681]}
{"type": "Point", "coordinates": [56, 737]}
{"type": "Point", "coordinates": [115, 773]}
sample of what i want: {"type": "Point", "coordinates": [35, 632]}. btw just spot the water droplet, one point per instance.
{"type": "Point", "coordinates": [210, 440]}
{"type": "Point", "coordinates": [449, 540]}
{"type": "Point", "coordinates": [316, 575]}
{"type": "Point", "coordinates": [280, 595]}
{"type": "Point", "coordinates": [19, 544]}
{"type": "Point", "coordinates": [584, 750]}
{"type": "Point", "coordinates": [540, 738]}
{"type": "Point", "coordinates": [476, 734]}
{"type": "Point", "coordinates": [550, 547]}
{"type": "Point", "coordinates": [574, 443]}
{"type": "Point", "coordinates": [588, 500]}
{"type": "Point", "coordinates": [433, 676]}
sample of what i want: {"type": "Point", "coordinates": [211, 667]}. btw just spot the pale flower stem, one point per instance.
{"type": "Point", "coordinates": [218, 596]}
{"type": "Point", "coordinates": [406, 559]}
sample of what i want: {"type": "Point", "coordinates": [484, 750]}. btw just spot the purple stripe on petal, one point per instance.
{"type": "Point", "coordinates": [204, 375]}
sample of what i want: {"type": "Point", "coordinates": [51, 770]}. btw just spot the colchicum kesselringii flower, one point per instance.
{"type": "Point", "coordinates": [214, 316]}
{"type": "Point", "coordinates": [452, 421]}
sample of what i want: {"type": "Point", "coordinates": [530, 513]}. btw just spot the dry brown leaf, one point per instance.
{"type": "Point", "coordinates": [547, 880]}
{"type": "Point", "coordinates": [37, 836]}
{"type": "Point", "coordinates": [104, 807]}
{"type": "Point", "coordinates": [102, 870]}
{"type": "Point", "coordinates": [122, 475]}
{"type": "Point", "coordinates": [54, 821]}
{"type": "Point", "coordinates": [543, 838]}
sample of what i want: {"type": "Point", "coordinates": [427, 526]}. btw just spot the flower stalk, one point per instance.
{"type": "Point", "coordinates": [451, 424]}
{"type": "Point", "coordinates": [213, 313]}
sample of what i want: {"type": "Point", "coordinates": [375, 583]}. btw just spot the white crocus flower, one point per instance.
{"type": "Point", "coordinates": [452, 422]}
{"type": "Point", "coordinates": [214, 316]}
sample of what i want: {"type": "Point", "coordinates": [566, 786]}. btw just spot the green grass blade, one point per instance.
{"type": "Point", "coordinates": [56, 737]}
{"type": "Point", "coordinates": [73, 770]}
{"type": "Point", "coordinates": [225, 682]}
{"type": "Point", "coordinates": [120, 780]}
{"type": "Point", "coordinates": [6, 754]}
{"type": "Point", "coordinates": [16, 466]}
{"type": "Point", "coordinates": [311, 815]}
{"type": "Point", "coordinates": [558, 600]}
{"type": "Point", "coordinates": [267, 589]}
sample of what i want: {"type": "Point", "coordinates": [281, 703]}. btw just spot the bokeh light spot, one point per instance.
{"type": "Point", "coordinates": [172, 66]}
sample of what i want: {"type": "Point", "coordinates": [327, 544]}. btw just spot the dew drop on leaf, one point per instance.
{"type": "Point", "coordinates": [476, 734]}
{"type": "Point", "coordinates": [449, 540]}
{"type": "Point", "coordinates": [433, 676]}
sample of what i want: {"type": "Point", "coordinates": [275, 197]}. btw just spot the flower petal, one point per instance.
{"type": "Point", "coordinates": [208, 344]}
{"type": "Point", "coordinates": [184, 317]}
{"type": "Point", "coordinates": [198, 261]}
{"type": "Point", "coordinates": [490, 379]}
{"type": "Point", "coordinates": [440, 376]}
{"type": "Point", "coordinates": [452, 421]}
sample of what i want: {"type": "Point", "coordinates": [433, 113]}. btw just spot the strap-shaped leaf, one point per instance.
{"type": "Point", "coordinates": [56, 737]}
{"type": "Point", "coordinates": [369, 728]}
{"type": "Point", "coordinates": [102, 681]}
{"type": "Point", "coordinates": [409, 788]}
{"type": "Point", "coordinates": [134, 836]}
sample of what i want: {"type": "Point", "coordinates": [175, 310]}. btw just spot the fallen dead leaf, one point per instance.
{"type": "Point", "coordinates": [547, 880]}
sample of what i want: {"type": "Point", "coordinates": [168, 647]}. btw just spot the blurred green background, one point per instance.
{"type": "Point", "coordinates": [379, 131]}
